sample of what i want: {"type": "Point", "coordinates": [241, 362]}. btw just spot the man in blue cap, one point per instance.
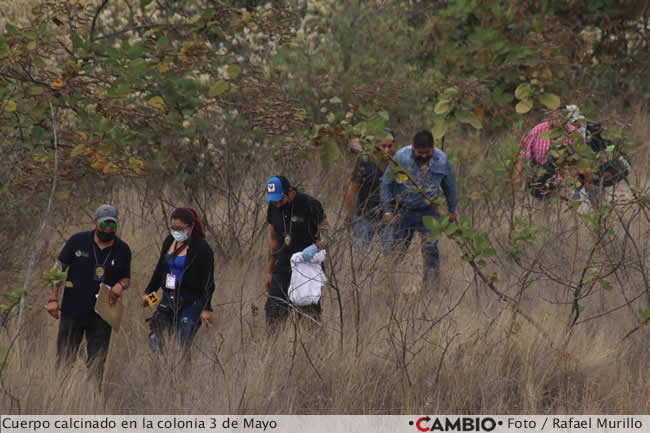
{"type": "Point", "coordinates": [297, 223]}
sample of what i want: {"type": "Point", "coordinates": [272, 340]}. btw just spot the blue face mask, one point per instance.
{"type": "Point", "coordinates": [179, 236]}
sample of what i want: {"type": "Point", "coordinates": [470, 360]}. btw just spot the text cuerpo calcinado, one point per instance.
{"type": "Point", "coordinates": [106, 423]}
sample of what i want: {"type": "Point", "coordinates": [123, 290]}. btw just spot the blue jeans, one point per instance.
{"type": "Point", "coordinates": [365, 229]}
{"type": "Point", "coordinates": [169, 317]}
{"type": "Point", "coordinates": [404, 228]}
{"type": "Point", "coordinates": [596, 195]}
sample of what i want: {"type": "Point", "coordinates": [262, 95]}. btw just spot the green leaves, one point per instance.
{"type": "Point", "coordinates": [550, 100]}
{"type": "Point", "coordinates": [527, 93]}
{"type": "Point", "coordinates": [162, 42]}
{"type": "Point", "coordinates": [524, 106]}
{"type": "Point", "coordinates": [11, 29]}
{"type": "Point", "coordinates": [466, 116]}
{"type": "Point", "coordinates": [604, 284]}
{"type": "Point", "coordinates": [644, 315]}
{"type": "Point", "coordinates": [523, 91]}
{"type": "Point", "coordinates": [55, 276]}
{"type": "Point", "coordinates": [329, 151]}
{"type": "Point", "coordinates": [453, 108]}
{"type": "Point", "coordinates": [36, 91]}
{"type": "Point", "coordinates": [137, 68]}
{"type": "Point", "coordinates": [440, 129]}
{"type": "Point", "coordinates": [442, 107]}
{"type": "Point", "coordinates": [37, 134]}
{"type": "Point", "coordinates": [77, 150]}
{"type": "Point", "coordinates": [38, 112]}
{"type": "Point", "coordinates": [218, 89]}
{"type": "Point", "coordinates": [233, 71]}
{"type": "Point", "coordinates": [157, 103]}
{"type": "Point", "coordinates": [476, 245]}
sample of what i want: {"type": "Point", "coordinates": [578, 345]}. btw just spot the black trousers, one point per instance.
{"type": "Point", "coordinates": [277, 302]}
{"type": "Point", "coordinates": [98, 339]}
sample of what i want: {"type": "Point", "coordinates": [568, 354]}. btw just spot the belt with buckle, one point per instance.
{"type": "Point", "coordinates": [417, 209]}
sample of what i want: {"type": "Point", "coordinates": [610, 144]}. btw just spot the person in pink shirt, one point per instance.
{"type": "Point", "coordinates": [535, 149]}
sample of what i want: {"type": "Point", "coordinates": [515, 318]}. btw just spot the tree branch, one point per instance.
{"type": "Point", "coordinates": [92, 26]}
{"type": "Point", "coordinates": [32, 261]}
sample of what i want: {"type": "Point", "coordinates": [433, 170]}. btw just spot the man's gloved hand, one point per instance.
{"type": "Point", "coordinates": [308, 253]}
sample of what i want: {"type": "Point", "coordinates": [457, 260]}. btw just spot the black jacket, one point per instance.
{"type": "Point", "coordinates": [197, 280]}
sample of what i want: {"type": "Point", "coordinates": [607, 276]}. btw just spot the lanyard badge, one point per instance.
{"type": "Point", "coordinates": [170, 281]}
{"type": "Point", "coordinates": [99, 273]}
{"type": "Point", "coordinates": [287, 235]}
{"type": "Point", "coordinates": [100, 270]}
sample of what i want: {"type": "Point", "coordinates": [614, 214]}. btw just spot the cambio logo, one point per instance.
{"type": "Point", "coordinates": [428, 424]}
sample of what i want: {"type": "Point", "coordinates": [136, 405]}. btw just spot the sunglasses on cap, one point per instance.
{"type": "Point", "coordinates": [104, 224]}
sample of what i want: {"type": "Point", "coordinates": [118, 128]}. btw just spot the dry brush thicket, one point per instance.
{"type": "Point", "coordinates": [385, 346]}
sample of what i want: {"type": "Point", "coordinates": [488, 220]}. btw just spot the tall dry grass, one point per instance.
{"type": "Point", "coordinates": [458, 350]}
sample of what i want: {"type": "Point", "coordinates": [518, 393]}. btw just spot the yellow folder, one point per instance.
{"type": "Point", "coordinates": [112, 314]}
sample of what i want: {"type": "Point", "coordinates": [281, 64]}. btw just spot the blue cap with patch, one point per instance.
{"type": "Point", "coordinates": [274, 189]}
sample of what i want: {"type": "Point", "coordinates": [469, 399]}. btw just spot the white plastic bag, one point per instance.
{"type": "Point", "coordinates": [307, 279]}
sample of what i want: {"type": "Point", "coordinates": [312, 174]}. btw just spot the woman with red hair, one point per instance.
{"type": "Point", "coordinates": [185, 271]}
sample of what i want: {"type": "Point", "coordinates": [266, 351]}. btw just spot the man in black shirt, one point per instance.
{"type": "Point", "coordinates": [297, 223]}
{"type": "Point", "coordinates": [362, 203]}
{"type": "Point", "coordinates": [90, 258]}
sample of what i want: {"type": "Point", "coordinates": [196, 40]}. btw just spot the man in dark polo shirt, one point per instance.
{"type": "Point", "coordinates": [90, 258]}
{"type": "Point", "coordinates": [363, 206]}
{"type": "Point", "coordinates": [297, 223]}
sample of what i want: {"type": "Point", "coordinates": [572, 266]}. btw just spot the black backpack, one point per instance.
{"type": "Point", "coordinates": [614, 170]}
{"type": "Point", "coordinates": [542, 184]}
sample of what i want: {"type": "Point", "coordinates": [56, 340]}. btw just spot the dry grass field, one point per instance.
{"type": "Point", "coordinates": [459, 350]}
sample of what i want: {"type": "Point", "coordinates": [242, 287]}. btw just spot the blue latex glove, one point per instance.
{"type": "Point", "coordinates": [308, 253]}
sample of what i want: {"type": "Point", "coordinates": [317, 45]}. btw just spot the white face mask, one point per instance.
{"type": "Point", "coordinates": [179, 236]}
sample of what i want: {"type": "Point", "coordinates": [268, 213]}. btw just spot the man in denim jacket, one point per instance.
{"type": "Point", "coordinates": [430, 169]}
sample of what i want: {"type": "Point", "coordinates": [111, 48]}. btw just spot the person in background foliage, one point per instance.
{"type": "Point", "coordinates": [535, 150]}
{"type": "Point", "coordinates": [297, 224]}
{"type": "Point", "coordinates": [185, 271]}
{"type": "Point", "coordinates": [90, 258]}
{"type": "Point", "coordinates": [586, 185]}
{"type": "Point", "coordinates": [430, 169]}
{"type": "Point", "coordinates": [362, 202]}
